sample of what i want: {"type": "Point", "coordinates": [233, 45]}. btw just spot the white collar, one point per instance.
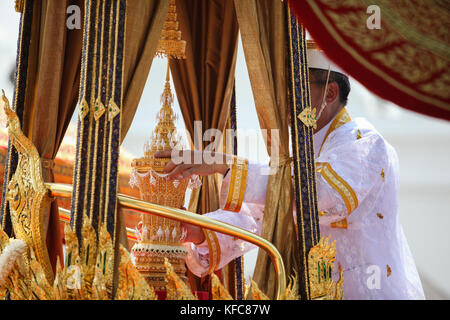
{"type": "Point", "coordinates": [319, 137]}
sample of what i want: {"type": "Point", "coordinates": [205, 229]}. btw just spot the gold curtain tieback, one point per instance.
{"type": "Point", "coordinates": [282, 161]}
{"type": "Point", "coordinates": [48, 163]}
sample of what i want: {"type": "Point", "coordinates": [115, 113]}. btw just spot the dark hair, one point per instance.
{"type": "Point", "coordinates": [341, 80]}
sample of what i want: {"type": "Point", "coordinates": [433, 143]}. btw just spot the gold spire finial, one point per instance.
{"type": "Point", "coordinates": [159, 237]}
{"type": "Point", "coordinates": [164, 136]}
{"type": "Point", "coordinates": [170, 45]}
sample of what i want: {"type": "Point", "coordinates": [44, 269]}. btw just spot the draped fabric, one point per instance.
{"type": "Point", "coordinates": [119, 43]}
{"type": "Point", "coordinates": [263, 32]}
{"type": "Point", "coordinates": [405, 61]}
{"type": "Point", "coordinates": [54, 75]}
{"type": "Point", "coordinates": [204, 80]}
{"type": "Point", "coordinates": [145, 19]}
{"type": "Point", "coordinates": [52, 92]}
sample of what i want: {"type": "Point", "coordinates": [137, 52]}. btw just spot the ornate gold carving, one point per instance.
{"type": "Point", "coordinates": [218, 291]}
{"type": "Point", "coordinates": [159, 238]}
{"type": "Point", "coordinates": [308, 117]}
{"type": "Point", "coordinates": [132, 286]}
{"type": "Point", "coordinates": [113, 110]}
{"type": "Point", "coordinates": [99, 109]}
{"type": "Point", "coordinates": [177, 289]}
{"type": "Point", "coordinates": [87, 274]}
{"type": "Point", "coordinates": [83, 109]}
{"type": "Point", "coordinates": [321, 259]}
{"type": "Point", "coordinates": [170, 45]}
{"type": "Point", "coordinates": [238, 181]}
{"type": "Point", "coordinates": [256, 293]}
{"type": "Point", "coordinates": [291, 292]}
{"type": "Point", "coordinates": [26, 193]}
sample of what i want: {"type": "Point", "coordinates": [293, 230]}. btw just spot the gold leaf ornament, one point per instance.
{"type": "Point", "coordinates": [308, 117]}
{"type": "Point", "coordinates": [113, 110]}
{"type": "Point", "coordinates": [99, 109]}
{"type": "Point", "coordinates": [103, 278]}
{"type": "Point", "coordinates": [256, 293]}
{"type": "Point", "coordinates": [83, 109]}
{"type": "Point", "coordinates": [132, 285]}
{"type": "Point", "coordinates": [177, 289]}
{"type": "Point", "coordinates": [218, 291]}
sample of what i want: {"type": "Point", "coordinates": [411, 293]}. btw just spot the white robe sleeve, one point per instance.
{"type": "Point", "coordinates": [224, 248]}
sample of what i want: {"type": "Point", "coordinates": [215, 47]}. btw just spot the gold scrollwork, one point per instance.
{"type": "Point", "coordinates": [26, 193]}
{"type": "Point", "coordinates": [321, 259]}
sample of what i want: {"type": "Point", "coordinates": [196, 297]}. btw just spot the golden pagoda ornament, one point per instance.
{"type": "Point", "coordinates": [159, 238]}
{"type": "Point", "coordinates": [170, 44]}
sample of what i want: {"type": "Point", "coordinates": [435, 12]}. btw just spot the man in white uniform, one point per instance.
{"type": "Point", "coordinates": [357, 184]}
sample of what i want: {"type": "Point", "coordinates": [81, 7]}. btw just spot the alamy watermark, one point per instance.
{"type": "Point", "coordinates": [74, 17]}
{"type": "Point", "coordinates": [374, 20]}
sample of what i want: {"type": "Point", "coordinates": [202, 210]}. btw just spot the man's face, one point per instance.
{"type": "Point", "coordinates": [316, 94]}
{"type": "Point", "coordinates": [316, 90]}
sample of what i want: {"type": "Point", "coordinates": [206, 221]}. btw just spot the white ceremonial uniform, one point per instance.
{"type": "Point", "coordinates": [357, 185]}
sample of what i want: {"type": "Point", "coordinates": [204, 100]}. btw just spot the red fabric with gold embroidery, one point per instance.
{"type": "Point", "coordinates": [406, 61]}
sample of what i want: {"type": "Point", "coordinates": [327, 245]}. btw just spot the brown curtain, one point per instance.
{"type": "Point", "coordinates": [54, 75]}
{"type": "Point", "coordinates": [204, 80]}
{"type": "Point", "coordinates": [262, 27]}
{"type": "Point", "coordinates": [145, 19]}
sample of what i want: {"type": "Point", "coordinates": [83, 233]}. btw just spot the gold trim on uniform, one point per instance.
{"type": "Point", "coordinates": [341, 118]}
{"type": "Point", "coordinates": [339, 184]}
{"type": "Point", "coordinates": [238, 180]}
{"type": "Point", "coordinates": [341, 224]}
{"type": "Point", "coordinates": [214, 250]}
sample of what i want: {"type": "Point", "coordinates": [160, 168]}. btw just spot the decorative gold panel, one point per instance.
{"type": "Point", "coordinates": [26, 193]}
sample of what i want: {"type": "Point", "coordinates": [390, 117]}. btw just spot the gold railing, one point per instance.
{"type": "Point", "coordinates": [65, 191]}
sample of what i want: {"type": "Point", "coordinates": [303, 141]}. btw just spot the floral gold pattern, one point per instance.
{"type": "Point", "coordinates": [27, 196]}
{"type": "Point", "coordinates": [238, 182]}
{"type": "Point", "coordinates": [339, 184]}
{"type": "Point", "coordinates": [170, 45]}
{"type": "Point", "coordinates": [218, 291]}
{"type": "Point", "coordinates": [308, 117]}
{"type": "Point", "coordinates": [83, 109]}
{"type": "Point", "coordinates": [160, 238]}
{"type": "Point", "coordinates": [214, 250]}
{"type": "Point", "coordinates": [320, 264]}
{"type": "Point", "coordinates": [99, 109]}
{"type": "Point", "coordinates": [79, 279]}
{"type": "Point", "coordinates": [113, 110]}
{"type": "Point", "coordinates": [341, 224]}
{"type": "Point", "coordinates": [177, 289]}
